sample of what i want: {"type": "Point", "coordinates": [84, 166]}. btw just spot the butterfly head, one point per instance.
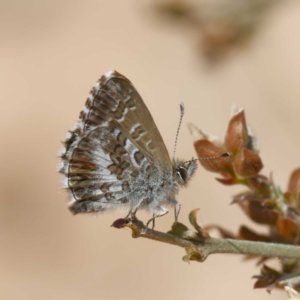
{"type": "Point", "coordinates": [184, 171]}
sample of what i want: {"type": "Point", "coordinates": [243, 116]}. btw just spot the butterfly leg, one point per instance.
{"type": "Point", "coordinates": [127, 216]}
{"type": "Point", "coordinates": [131, 215]}
{"type": "Point", "coordinates": [177, 210]}
{"type": "Point", "coordinates": [161, 213]}
{"type": "Point", "coordinates": [153, 222]}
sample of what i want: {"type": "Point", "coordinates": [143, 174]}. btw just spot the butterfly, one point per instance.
{"type": "Point", "coordinates": [115, 157]}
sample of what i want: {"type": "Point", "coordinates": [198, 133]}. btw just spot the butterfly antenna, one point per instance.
{"type": "Point", "coordinates": [177, 133]}
{"type": "Point", "coordinates": [224, 154]}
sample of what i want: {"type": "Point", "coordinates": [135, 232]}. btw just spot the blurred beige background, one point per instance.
{"type": "Point", "coordinates": [51, 54]}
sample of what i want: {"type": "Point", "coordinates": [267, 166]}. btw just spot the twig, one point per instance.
{"type": "Point", "coordinates": [209, 245]}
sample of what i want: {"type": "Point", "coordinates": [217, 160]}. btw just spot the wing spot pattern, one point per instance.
{"type": "Point", "coordinates": [138, 157]}
{"type": "Point", "coordinates": [137, 131]}
{"type": "Point", "coordinates": [150, 145]}
{"type": "Point", "coordinates": [130, 102]}
{"type": "Point", "coordinates": [121, 138]}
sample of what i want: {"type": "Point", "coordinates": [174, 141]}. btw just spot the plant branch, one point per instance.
{"type": "Point", "coordinates": [206, 246]}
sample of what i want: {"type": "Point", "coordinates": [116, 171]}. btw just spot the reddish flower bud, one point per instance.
{"type": "Point", "coordinates": [287, 229]}
{"type": "Point", "coordinates": [261, 184]}
{"type": "Point", "coordinates": [258, 213]}
{"type": "Point", "coordinates": [244, 196]}
{"type": "Point", "coordinates": [205, 148]}
{"type": "Point", "coordinates": [120, 223]}
{"type": "Point", "coordinates": [247, 163]}
{"type": "Point", "coordinates": [227, 180]}
{"type": "Point", "coordinates": [237, 133]}
{"type": "Point", "coordinates": [247, 234]}
{"type": "Point", "coordinates": [294, 182]}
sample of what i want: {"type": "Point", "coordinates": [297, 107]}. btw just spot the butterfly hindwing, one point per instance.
{"type": "Point", "coordinates": [103, 166]}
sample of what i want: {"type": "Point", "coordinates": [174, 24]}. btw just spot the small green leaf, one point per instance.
{"type": "Point", "coordinates": [192, 254]}
{"type": "Point", "coordinates": [268, 278]}
{"type": "Point", "coordinates": [269, 271]}
{"type": "Point", "coordinates": [193, 220]}
{"type": "Point", "coordinates": [290, 265]}
{"type": "Point", "coordinates": [178, 229]}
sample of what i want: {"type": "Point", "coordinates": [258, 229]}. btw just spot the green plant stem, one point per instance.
{"type": "Point", "coordinates": [207, 246]}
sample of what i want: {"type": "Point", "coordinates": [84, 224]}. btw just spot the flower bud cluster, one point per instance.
{"type": "Point", "coordinates": [262, 201]}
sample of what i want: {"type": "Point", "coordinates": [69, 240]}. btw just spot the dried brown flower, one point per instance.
{"type": "Point", "coordinates": [263, 202]}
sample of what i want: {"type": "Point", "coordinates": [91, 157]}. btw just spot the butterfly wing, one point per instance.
{"type": "Point", "coordinates": [114, 142]}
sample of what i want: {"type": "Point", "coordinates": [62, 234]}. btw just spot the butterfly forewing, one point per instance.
{"type": "Point", "coordinates": [114, 100]}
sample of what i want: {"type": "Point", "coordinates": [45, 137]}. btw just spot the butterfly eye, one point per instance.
{"type": "Point", "coordinates": [182, 173]}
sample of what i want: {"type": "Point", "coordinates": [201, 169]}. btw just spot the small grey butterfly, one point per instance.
{"type": "Point", "coordinates": [115, 157]}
